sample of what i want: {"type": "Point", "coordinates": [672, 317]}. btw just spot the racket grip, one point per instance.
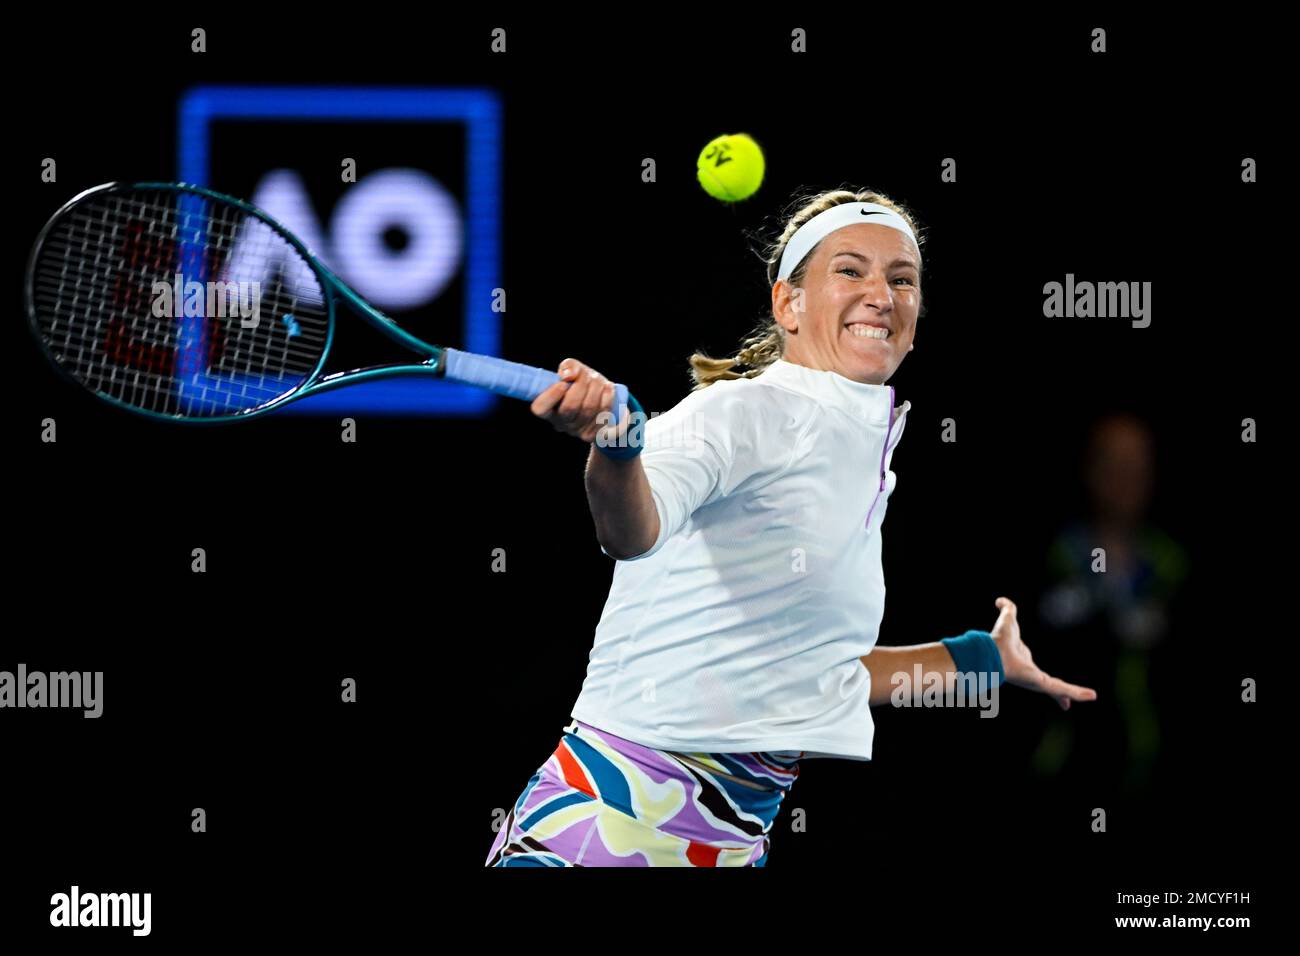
{"type": "Point", "coordinates": [512, 379]}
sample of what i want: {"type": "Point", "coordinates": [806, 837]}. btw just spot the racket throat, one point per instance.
{"type": "Point", "coordinates": [429, 368]}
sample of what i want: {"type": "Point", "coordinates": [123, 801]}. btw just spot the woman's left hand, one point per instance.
{"type": "Point", "coordinates": [1019, 666]}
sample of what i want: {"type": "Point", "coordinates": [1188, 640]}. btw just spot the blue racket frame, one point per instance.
{"type": "Point", "coordinates": [511, 379]}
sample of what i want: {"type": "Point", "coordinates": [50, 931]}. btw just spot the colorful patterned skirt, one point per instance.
{"type": "Point", "coordinates": [600, 800]}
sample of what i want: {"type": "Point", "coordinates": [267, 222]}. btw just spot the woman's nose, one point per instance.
{"type": "Point", "coordinates": [876, 291]}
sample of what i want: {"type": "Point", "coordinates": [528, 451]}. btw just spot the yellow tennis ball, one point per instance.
{"type": "Point", "coordinates": [731, 167]}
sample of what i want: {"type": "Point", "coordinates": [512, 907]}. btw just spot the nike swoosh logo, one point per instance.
{"type": "Point", "coordinates": [871, 212]}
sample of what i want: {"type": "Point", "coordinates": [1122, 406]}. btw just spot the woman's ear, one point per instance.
{"type": "Point", "coordinates": [785, 300]}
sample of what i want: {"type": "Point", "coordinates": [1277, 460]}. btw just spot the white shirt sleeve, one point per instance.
{"type": "Point", "coordinates": [703, 448]}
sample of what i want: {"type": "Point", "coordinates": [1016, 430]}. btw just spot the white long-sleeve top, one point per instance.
{"type": "Point", "coordinates": [741, 628]}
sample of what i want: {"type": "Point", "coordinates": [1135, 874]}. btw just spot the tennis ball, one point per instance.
{"type": "Point", "coordinates": [731, 167]}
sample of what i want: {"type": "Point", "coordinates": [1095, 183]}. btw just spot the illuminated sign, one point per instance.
{"type": "Point", "coordinates": [418, 234]}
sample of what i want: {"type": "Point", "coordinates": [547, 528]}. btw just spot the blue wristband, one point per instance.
{"type": "Point", "coordinates": [634, 435]}
{"type": "Point", "coordinates": [619, 452]}
{"type": "Point", "coordinates": [975, 652]}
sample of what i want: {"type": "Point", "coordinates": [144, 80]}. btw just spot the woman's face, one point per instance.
{"type": "Point", "coordinates": [860, 279]}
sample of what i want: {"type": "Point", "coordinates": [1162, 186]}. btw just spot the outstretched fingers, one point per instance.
{"type": "Point", "coordinates": [1065, 692]}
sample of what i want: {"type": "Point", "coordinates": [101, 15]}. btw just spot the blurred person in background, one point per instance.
{"type": "Point", "coordinates": [1112, 611]}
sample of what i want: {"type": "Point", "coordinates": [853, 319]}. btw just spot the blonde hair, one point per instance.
{"type": "Point", "coordinates": [766, 341]}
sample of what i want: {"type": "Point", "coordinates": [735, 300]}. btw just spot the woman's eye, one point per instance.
{"type": "Point", "coordinates": [855, 272]}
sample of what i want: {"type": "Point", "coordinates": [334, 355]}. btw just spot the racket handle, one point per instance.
{"type": "Point", "coordinates": [512, 379]}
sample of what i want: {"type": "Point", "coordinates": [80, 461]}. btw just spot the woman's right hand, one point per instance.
{"type": "Point", "coordinates": [574, 404]}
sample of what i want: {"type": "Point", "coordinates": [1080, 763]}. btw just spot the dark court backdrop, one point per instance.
{"type": "Point", "coordinates": [373, 560]}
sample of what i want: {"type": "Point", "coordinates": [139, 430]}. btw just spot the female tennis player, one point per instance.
{"type": "Point", "coordinates": [739, 633]}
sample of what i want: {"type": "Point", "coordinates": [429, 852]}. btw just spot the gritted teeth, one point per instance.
{"type": "Point", "coordinates": [861, 330]}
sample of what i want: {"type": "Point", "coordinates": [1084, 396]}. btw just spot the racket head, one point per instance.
{"type": "Point", "coordinates": [92, 302]}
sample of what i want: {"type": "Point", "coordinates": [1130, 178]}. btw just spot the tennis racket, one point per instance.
{"type": "Point", "coordinates": [107, 299]}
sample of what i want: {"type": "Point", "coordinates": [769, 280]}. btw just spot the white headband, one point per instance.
{"type": "Point", "coordinates": [837, 217]}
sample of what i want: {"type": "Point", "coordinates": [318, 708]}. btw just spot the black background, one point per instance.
{"type": "Point", "coordinates": [326, 820]}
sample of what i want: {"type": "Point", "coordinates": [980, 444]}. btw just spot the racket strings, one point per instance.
{"type": "Point", "coordinates": [177, 304]}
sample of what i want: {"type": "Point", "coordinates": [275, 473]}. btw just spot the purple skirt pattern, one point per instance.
{"type": "Point", "coordinates": [601, 800]}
